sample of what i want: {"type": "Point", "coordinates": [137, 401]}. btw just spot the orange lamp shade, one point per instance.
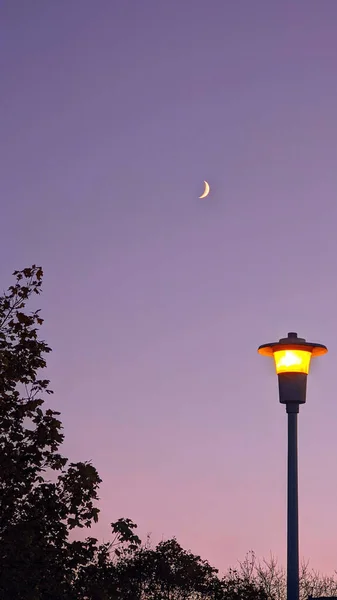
{"type": "Point", "coordinates": [292, 361]}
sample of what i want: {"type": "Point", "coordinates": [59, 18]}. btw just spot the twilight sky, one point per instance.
{"type": "Point", "coordinates": [113, 112]}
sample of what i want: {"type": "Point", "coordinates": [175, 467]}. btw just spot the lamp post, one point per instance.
{"type": "Point", "coordinates": [292, 357]}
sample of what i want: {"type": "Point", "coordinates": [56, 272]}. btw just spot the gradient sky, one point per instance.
{"type": "Point", "coordinates": [112, 115]}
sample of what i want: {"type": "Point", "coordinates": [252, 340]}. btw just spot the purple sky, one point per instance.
{"type": "Point", "coordinates": [112, 115]}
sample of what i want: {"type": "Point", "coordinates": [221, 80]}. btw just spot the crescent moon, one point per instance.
{"type": "Point", "coordinates": [206, 190]}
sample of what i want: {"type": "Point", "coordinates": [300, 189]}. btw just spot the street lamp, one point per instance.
{"type": "Point", "coordinates": [292, 356]}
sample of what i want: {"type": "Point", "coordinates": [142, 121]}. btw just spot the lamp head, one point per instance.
{"type": "Point", "coordinates": [292, 354]}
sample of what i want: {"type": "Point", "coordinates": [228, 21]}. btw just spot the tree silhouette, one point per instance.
{"type": "Point", "coordinates": [168, 572]}
{"type": "Point", "coordinates": [270, 576]}
{"type": "Point", "coordinates": [42, 496]}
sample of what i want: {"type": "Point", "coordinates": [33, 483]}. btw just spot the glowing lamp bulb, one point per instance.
{"type": "Point", "coordinates": [292, 361]}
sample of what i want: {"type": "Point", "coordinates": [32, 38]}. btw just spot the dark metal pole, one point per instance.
{"type": "Point", "coordinates": [292, 519]}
